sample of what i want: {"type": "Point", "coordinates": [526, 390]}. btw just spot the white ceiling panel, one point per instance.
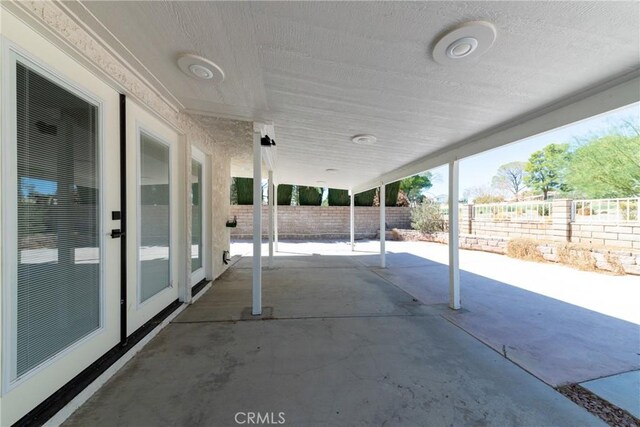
{"type": "Point", "coordinates": [325, 71]}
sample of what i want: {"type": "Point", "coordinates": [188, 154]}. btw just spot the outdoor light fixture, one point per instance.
{"type": "Point", "coordinates": [364, 139]}
{"type": "Point", "coordinates": [464, 43]}
{"type": "Point", "coordinates": [265, 141]}
{"type": "Point", "coordinates": [200, 68]}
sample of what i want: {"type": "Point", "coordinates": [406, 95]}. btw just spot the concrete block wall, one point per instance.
{"type": "Point", "coordinates": [556, 228]}
{"type": "Point", "coordinates": [320, 222]}
{"type": "Point", "coordinates": [531, 230]}
{"type": "Point", "coordinates": [622, 236]}
{"type": "Point", "coordinates": [332, 222]}
{"type": "Point", "coordinates": [607, 259]}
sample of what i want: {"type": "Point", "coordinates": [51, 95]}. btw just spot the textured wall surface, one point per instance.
{"type": "Point", "coordinates": [320, 222]}
{"type": "Point", "coordinates": [220, 189]}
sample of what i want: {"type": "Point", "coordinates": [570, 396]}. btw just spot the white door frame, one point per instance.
{"type": "Point", "coordinates": [140, 120]}
{"type": "Point", "coordinates": [202, 272]}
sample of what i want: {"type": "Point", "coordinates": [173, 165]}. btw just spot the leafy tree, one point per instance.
{"type": "Point", "coordinates": [510, 177]}
{"type": "Point", "coordinates": [338, 197]}
{"type": "Point", "coordinates": [487, 198]}
{"type": "Point", "coordinates": [481, 194]}
{"type": "Point", "coordinates": [546, 169]}
{"type": "Point", "coordinates": [309, 196]}
{"type": "Point", "coordinates": [365, 198]}
{"type": "Point", "coordinates": [413, 186]}
{"type": "Point", "coordinates": [244, 190]}
{"type": "Point", "coordinates": [391, 193]}
{"type": "Point", "coordinates": [284, 194]}
{"type": "Point", "coordinates": [607, 166]}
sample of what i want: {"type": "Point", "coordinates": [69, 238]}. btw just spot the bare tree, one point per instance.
{"type": "Point", "coordinates": [510, 177]}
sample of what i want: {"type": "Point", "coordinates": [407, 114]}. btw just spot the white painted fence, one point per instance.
{"type": "Point", "coordinates": [606, 210]}
{"type": "Point", "coordinates": [517, 211]}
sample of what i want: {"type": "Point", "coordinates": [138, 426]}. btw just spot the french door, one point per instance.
{"type": "Point", "coordinates": [61, 261]}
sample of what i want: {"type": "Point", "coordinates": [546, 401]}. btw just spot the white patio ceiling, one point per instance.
{"type": "Point", "coordinates": [325, 71]}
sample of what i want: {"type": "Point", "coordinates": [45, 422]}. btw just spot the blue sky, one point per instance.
{"type": "Point", "coordinates": [479, 169]}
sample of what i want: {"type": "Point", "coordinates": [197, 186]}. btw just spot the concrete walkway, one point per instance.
{"type": "Point", "coordinates": [338, 345]}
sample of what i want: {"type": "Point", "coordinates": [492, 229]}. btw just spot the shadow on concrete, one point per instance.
{"type": "Point", "coordinates": [340, 346]}
{"type": "Point", "coordinates": [558, 342]}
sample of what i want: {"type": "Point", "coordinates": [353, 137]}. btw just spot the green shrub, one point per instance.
{"type": "Point", "coordinates": [284, 194]}
{"type": "Point", "coordinates": [339, 197]}
{"type": "Point", "coordinates": [244, 189]}
{"type": "Point", "coordinates": [309, 196]}
{"type": "Point", "coordinates": [365, 198]}
{"type": "Point", "coordinates": [427, 218]}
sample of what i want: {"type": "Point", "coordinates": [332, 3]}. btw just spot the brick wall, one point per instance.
{"type": "Point", "coordinates": [320, 222]}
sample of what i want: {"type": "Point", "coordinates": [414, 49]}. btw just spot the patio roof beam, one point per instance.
{"type": "Point", "coordinates": [611, 95]}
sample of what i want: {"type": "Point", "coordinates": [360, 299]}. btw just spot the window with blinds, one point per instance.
{"type": "Point", "coordinates": [196, 215]}
{"type": "Point", "coordinates": [155, 218]}
{"type": "Point", "coordinates": [58, 212]}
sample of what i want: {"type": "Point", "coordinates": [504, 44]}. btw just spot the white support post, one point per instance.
{"type": "Point", "coordinates": [454, 252]}
{"type": "Point", "coordinates": [352, 221]}
{"type": "Point", "coordinates": [257, 224]}
{"type": "Point", "coordinates": [275, 218]}
{"type": "Point", "coordinates": [271, 217]}
{"type": "Point", "coordinates": [383, 228]}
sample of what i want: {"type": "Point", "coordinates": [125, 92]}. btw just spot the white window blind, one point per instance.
{"type": "Point", "coordinates": [155, 196]}
{"type": "Point", "coordinates": [196, 215]}
{"type": "Point", "coordinates": [58, 287]}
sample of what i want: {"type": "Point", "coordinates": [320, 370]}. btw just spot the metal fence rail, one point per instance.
{"type": "Point", "coordinates": [606, 210]}
{"type": "Point", "coordinates": [518, 211]}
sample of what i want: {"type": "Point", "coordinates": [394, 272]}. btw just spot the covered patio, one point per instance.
{"type": "Point", "coordinates": [179, 98]}
{"type": "Point", "coordinates": [343, 342]}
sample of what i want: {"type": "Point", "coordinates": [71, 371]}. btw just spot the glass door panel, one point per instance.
{"type": "Point", "coordinates": [155, 221]}
{"type": "Point", "coordinates": [58, 215]}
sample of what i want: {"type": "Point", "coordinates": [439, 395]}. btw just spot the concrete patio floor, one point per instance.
{"type": "Point", "coordinates": [338, 344]}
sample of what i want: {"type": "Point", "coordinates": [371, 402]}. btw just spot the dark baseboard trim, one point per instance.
{"type": "Point", "coordinates": [195, 290]}
{"type": "Point", "coordinates": [58, 400]}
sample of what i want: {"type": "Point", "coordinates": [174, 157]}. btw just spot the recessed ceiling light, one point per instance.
{"type": "Point", "coordinates": [464, 43]}
{"type": "Point", "coordinates": [331, 170]}
{"type": "Point", "coordinates": [462, 47]}
{"type": "Point", "coordinates": [364, 139]}
{"type": "Point", "coordinates": [200, 68]}
{"type": "Point", "coordinates": [321, 182]}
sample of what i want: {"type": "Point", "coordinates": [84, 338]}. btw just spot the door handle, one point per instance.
{"type": "Point", "coordinates": [116, 233]}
